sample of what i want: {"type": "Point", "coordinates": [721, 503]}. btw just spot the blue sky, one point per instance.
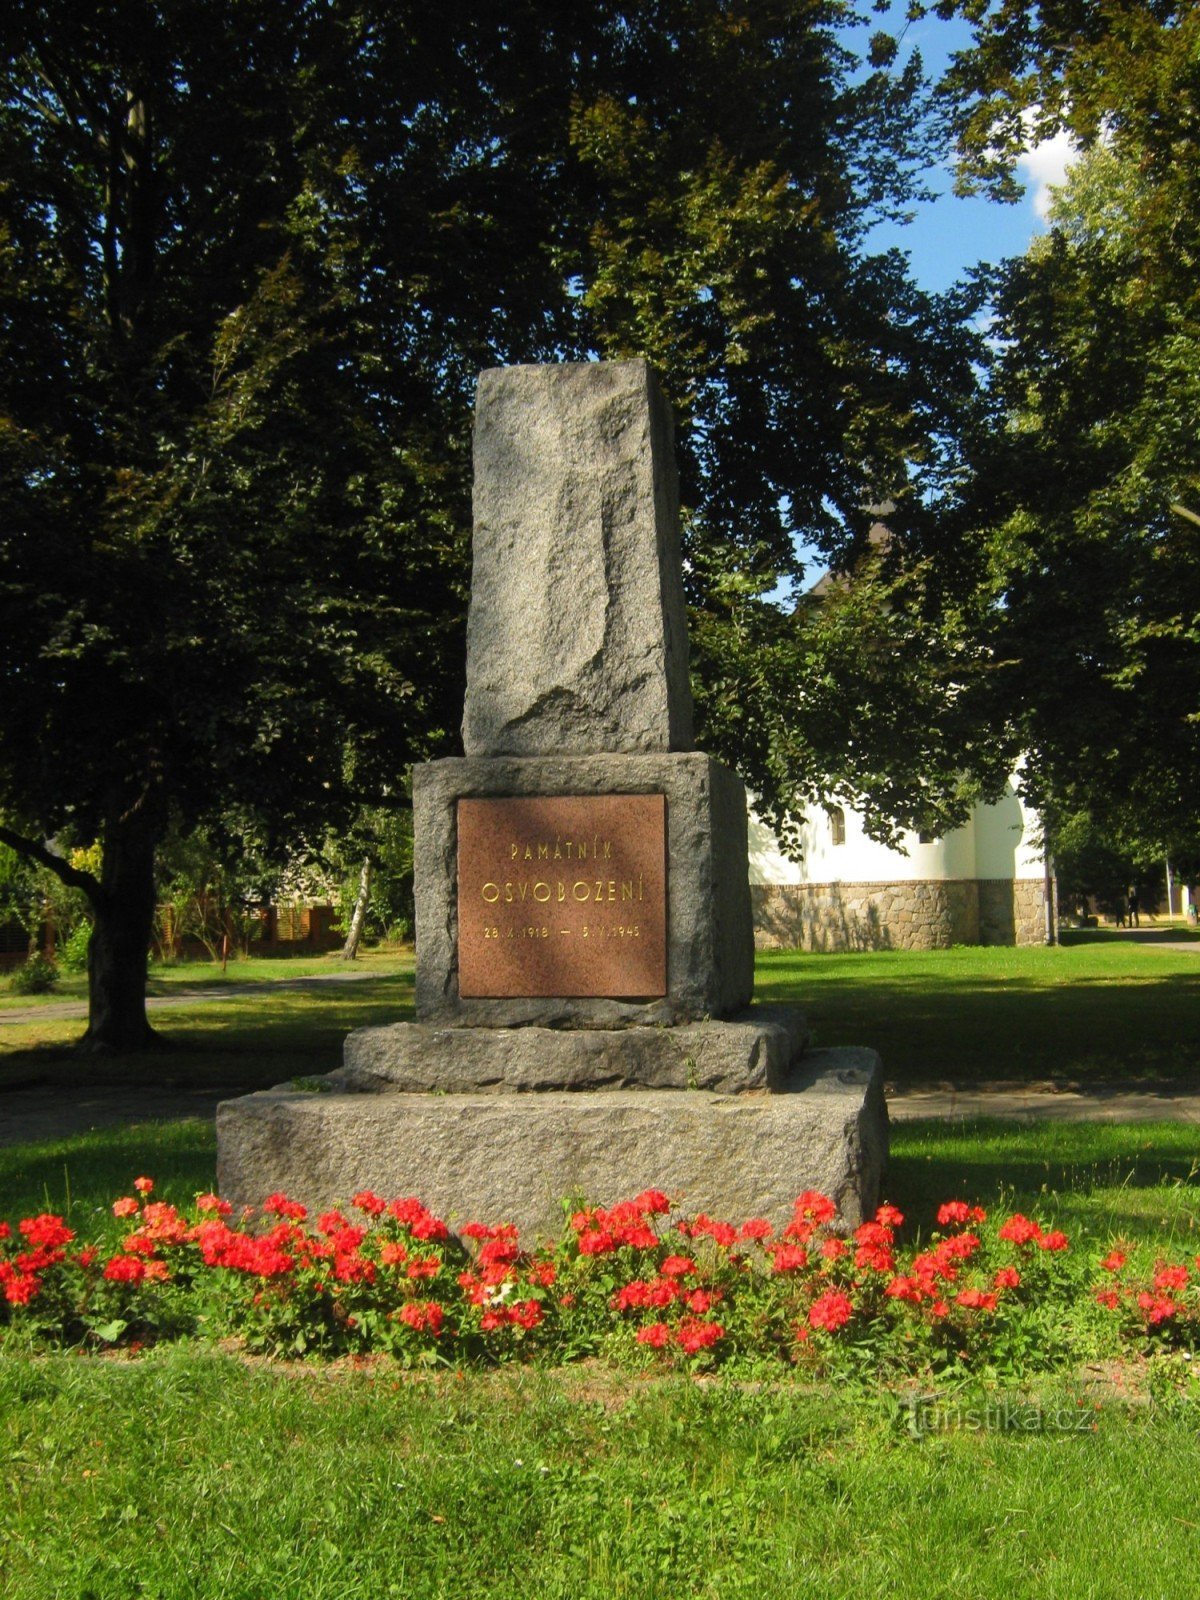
{"type": "Point", "coordinates": [949, 235]}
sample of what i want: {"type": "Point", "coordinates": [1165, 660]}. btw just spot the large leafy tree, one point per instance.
{"type": "Point", "coordinates": [1084, 464]}
{"type": "Point", "coordinates": [250, 262]}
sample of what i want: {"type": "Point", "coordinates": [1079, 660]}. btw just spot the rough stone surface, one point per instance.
{"type": "Point", "coordinates": [516, 1157]}
{"type": "Point", "coordinates": [925, 914]}
{"type": "Point", "coordinates": [755, 1050]}
{"type": "Point", "coordinates": [710, 940]}
{"type": "Point", "coordinates": [577, 633]}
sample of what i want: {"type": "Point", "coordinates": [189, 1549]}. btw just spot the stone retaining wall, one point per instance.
{"type": "Point", "coordinates": [929, 914]}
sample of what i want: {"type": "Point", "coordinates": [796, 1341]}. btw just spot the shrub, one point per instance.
{"type": "Point", "coordinates": [38, 975]}
{"type": "Point", "coordinates": [73, 953]}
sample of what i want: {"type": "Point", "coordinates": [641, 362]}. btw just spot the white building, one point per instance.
{"type": "Point", "coordinates": [985, 883]}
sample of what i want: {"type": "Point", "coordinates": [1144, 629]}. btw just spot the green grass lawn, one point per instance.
{"type": "Point", "coordinates": [189, 1473]}
{"type": "Point", "coordinates": [183, 1477]}
{"type": "Point", "coordinates": [180, 977]}
{"type": "Point", "coordinates": [248, 1039]}
{"type": "Point", "coordinates": [1090, 1010]}
{"type": "Point", "coordinates": [1093, 1010]}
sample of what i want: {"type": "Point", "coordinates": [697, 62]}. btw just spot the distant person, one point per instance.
{"type": "Point", "coordinates": [1132, 906]}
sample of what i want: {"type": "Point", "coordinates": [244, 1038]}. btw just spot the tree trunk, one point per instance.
{"type": "Point", "coordinates": [359, 919]}
{"type": "Point", "coordinates": [120, 944]}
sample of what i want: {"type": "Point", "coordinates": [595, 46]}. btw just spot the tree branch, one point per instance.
{"type": "Point", "coordinates": [73, 877]}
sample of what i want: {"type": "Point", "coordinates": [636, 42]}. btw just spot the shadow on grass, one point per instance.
{"type": "Point", "coordinates": [235, 1045]}
{"type": "Point", "coordinates": [82, 1175]}
{"type": "Point", "coordinates": [1136, 1179]}
{"type": "Point", "coordinates": [971, 1019]}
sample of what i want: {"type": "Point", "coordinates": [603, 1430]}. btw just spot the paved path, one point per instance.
{"type": "Point", "coordinates": [1047, 1102]}
{"type": "Point", "coordinates": [32, 1115]}
{"type": "Point", "coordinates": [233, 990]}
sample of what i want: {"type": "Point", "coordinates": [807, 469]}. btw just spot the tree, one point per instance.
{"type": "Point", "coordinates": [250, 263]}
{"type": "Point", "coordinates": [1081, 457]}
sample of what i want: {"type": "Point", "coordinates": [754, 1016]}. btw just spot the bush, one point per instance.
{"type": "Point", "coordinates": [73, 953]}
{"type": "Point", "coordinates": [38, 975]}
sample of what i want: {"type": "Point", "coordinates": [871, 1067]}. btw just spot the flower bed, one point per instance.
{"type": "Point", "coordinates": [994, 1296]}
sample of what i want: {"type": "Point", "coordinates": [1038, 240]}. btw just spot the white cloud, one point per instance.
{"type": "Point", "coordinates": [1045, 166]}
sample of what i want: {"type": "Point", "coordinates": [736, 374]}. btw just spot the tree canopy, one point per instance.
{"type": "Point", "coordinates": [251, 260]}
{"type": "Point", "coordinates": [1082, 461]}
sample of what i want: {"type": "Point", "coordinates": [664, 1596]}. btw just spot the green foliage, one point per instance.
{"type": "Point", "coordinates": [1091, 863]}
{"type": "Point", "coordinates": [37, 975]}
{"type": "Point", "coordinates": [235, 437]}
{"type": "Point", "coordinates": [1081, 466]}
{"type": "Point", "coordinates": [72, 953]}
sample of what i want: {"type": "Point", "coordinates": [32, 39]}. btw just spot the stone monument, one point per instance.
{"type": "Point", "coordinates": [585, 951]}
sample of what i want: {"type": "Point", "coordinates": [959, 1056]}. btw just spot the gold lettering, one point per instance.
{"type": "Point", "coordinates": [608, 849]}
{"type": "Point", "coordinates": [581, 851]}
{"type": "Point", "coordinates": [562, 893]}
{"type": "Point", "coordinates": [627, 890]}
{"type": "Point", "coordinates": [523, 888]}
{"type": "Point", "coordinates": [557, 850]}
{"type": "Point", "coordinates": [515, 848]}
{"type": "Point", "coordinates": [541, 898]}
{"type": "Point", "coordinates": [599, 889]}
{"type": "Point", "coordinates": [543, 852]}
{"type": "Point", "coordinates": [495, 894]}
{"type": "Point", "coordinates": [570, 847]}
{"type": "Point", "coordinates": [575, 888]}
{"type": "Point", "coordinates": [640, 896]}
{"type": "Point", "coordinates": [508, 894]}
{"type": "Point", "coordinates": [612, 890]}
{"type": "Point", "coordinates": [528, 854]}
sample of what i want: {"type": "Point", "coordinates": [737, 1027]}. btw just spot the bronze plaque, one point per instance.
{"type": "Point", "coordinates": [563, 896]}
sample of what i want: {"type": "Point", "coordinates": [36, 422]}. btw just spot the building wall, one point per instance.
{"type": "Point", "coordinates": [981, 884]}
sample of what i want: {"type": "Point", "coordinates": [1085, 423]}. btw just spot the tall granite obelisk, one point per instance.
{"type": "Point", "coordinates": [583, 907]}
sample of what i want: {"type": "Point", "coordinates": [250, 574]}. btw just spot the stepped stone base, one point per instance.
{"type": "Point", "coordinates": [754, 1050]}
{"type": "Point", "coordinates": [493, 1158]}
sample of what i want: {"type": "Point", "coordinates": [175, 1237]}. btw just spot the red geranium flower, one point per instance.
{"type": "Point", "coordinates": [657, 1335]}
{"type": "Point", "coordinates": [1156, 1308]}
{"type": "Point", "coordinates": [789, 1258]}
{"type": "Point", "coordinates": [1171, 1278]}
{"type": "Point", "coordinates": [423, 1316]}
{"type": "Point", "coordinates": [831, 1310]}
{"type": "Point", "coordinates": [143, 1185]}
{"type": "Point", "coordinates": [816, 1207]}
{"type": "Point", "coordinates": [125, 1269]}
{"type": "Point", "coordinates": [46, 1230]}
{"type": "Point", "coordinates": [1114, 1261]}
{"type": "Point", "coordinates": [976, 1300]}
{"type": "Point", "coordinates": [677, 1267]}
{"type": "Point", "coordinates": [904, 1288]}
{"type": "Point", "coordinates": [1007, 1278]}
{"type": "Point", "coordinates": [1020, 1230]}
